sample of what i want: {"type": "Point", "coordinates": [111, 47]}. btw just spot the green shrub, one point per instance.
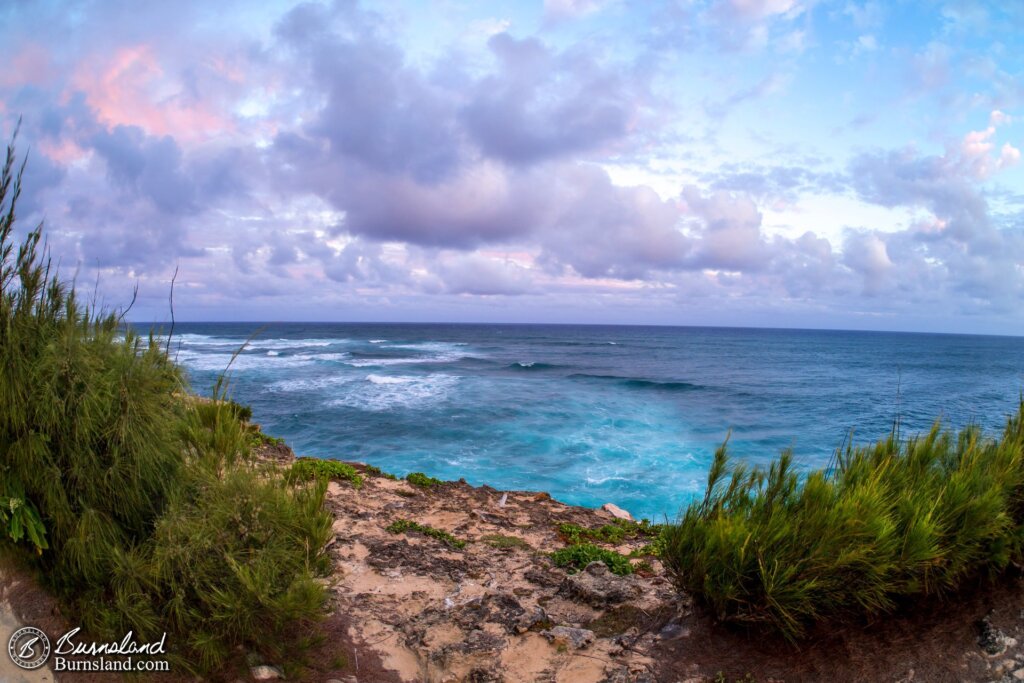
{"type": "Point", "coordinates": [305, 469]}
{"type": "Point", "coordinates": [422, 480]}
{"type": "Point", "coordinates": [578, 556]}
{"type": "Point", "coordinates": [213, 435]}
{"type": "Point", "coordinates": [887, 522]}
{"type": "Point", "coordinates": [20, 518]}
{"type": "Point", "coordinates": [135, 500]}
{"type": "Point", "coordinates": [232, 563]}
{"type": "Point", "coordinates": [88, 420]}
{"type": "Point", "coordinates": [257, 438]}
{"type": "Point", "coordinates": [242, 413]}
{"type": "Point", "coordinates": [402, 526]}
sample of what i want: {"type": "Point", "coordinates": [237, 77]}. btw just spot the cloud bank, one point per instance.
{"type": "Point", "coordinates": [575, 162]}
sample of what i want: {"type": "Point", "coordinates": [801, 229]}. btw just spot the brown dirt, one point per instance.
{"type": "Point", "coordinates": [938, 642]}
{"type": "Point", "coordinates": [31, 605]}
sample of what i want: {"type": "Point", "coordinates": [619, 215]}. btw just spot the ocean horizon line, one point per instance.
{"type": "Point", "coordinates": [659, 326]}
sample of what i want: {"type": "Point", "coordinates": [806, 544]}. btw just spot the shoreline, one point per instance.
{"type": "Point", "coordinates": [406, 605]}
{"type": "Point", "coordinates": [498, 610]}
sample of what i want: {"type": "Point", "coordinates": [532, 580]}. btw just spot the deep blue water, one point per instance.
{"type": "Point", "coordinates": [596, 414]}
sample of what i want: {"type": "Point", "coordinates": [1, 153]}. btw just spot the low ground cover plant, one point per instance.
{"type": "Point", "coordinates": [422, 480]}
{"type": "Point", "coordinates": [314, 468]}
{"type": "Point", "coordinates": [402, 526]}
{"type": "Point", "coordinates": [579, 555]}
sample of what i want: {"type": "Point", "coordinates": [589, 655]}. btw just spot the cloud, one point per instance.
{"type": "Point", "coordinates": [729, 231]}
{"type": "Point", "coordinates": [750, 24]}
{"type": "Point", "coordinates": [541, 105]}
{"type": "Point", "coordinates": [149, 167]}
{"type": "Point", "coordinates": [483, 276]}
{"type": "Point", "coordinates": [945, 185]}
{"type": "Point", "coordinates": [868, 254]}
{"type": "Point", "coordinates": [767, 86]}
{"type": "Point", "coordinates": [602, 230]}
{"type": "Point", "coordinates": [960, 250]}
{"type": "Point", "coordinates": [326, 157]}
{"type": "Point", "coordinates": [556, 10]}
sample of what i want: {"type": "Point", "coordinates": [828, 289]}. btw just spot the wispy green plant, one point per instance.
{"type": "Point", "coordinates": [137, 502]}
{"type": "Point", "coordinates": [896, 520]}
{"type": "Point", "coordinates": [88, 419]}
{"type": "Point", "coordinates": [236, 562]}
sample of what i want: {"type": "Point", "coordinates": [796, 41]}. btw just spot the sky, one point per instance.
{"type": "Point", "coordinates": [770, 163]}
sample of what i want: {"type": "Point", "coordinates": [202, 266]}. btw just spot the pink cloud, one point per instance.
{"type": "Point", "coordinates": [132, 88]}
{"type": "Point", "coordinates": [32, 64]}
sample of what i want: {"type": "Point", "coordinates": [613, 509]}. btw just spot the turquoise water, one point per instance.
{"type": "Point", "coordinates": [595, 414]}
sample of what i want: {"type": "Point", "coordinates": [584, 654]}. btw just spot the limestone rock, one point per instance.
{"type": "Point", "coordinates": [991, 639]}
{"type": "Point", "coordinates": [616, 512]}
{"type": "Point", "coordinates": [598, 587]}
{"type": "Point", "coordinates": [577, 638]}
{"type": "Point", "coordinates": [266, 673]}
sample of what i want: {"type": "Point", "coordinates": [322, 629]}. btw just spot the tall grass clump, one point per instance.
{"type": "Point", "coordinates": [88, 422]}
{"type": "Point", "coordinates": [886, 524]}
{"type": "Point", "coordinates": [139, 504]}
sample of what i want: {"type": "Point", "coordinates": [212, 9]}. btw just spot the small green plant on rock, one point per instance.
{"type": "Point", "coordinates": [614, 533]}
{"type": "Point", "coordinates": [402, 526]}
{"type": "Point", "coordinates": [375, 471]}
{"type": "Point", "coordinates": [305, 469]}
{"type": "Point", "coordinates": [580, 555]}
{"type": "Point", "coordinates": [422, 480]}
{"type": "Point", "coordinates": [503, 542]}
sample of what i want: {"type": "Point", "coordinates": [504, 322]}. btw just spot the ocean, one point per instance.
{"type": "Point", "coordinates": [595, 414]}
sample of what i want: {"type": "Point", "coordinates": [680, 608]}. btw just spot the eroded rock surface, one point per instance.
{"type": "Point", "coordinates": [496, 609]}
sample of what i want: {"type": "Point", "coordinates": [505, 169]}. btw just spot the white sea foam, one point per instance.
{"type": "Point", "coordinates": [333, 356]}
{"type": "Point", "coordinates": [273, 353]}
{"type": "Point", "coordinates": [431, 346]}
{"type": "Point", "coordinates": [294, 343]}
{"type": "Point", "coordinates": [216, 362]}
{"type": "Point", "coordinates": [189, 340]}
{"type": "Point", "coordinates": [385, 379]}
{"type": "Point", "coordinates": [381, 362]}
{"type": "Point", "coordinates": [378, 341]}
{"type": "Point", "coordinates": [601, 480]}
{"type": "Point", "coordinates": [318, 383]}
{"type": "Point", "coordinates": [387, 392]}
